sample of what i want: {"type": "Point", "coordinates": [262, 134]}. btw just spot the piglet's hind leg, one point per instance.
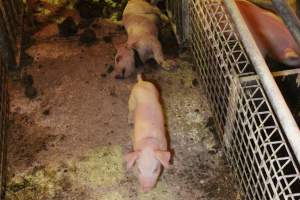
{"type": "Point", "coordinates": [159, 57]}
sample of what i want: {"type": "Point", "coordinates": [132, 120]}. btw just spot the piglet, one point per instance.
{"type": "Point", "coordinates": [141, 20]}
{"type": "Point", "coordinates": [271, 35]}
{"type": "Point", "coordinates": [149, 139]}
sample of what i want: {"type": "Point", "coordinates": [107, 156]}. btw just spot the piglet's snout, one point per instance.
{"type": "Point", "coordinates": [120, 77]}
{"type": "Point", "coordinates": [147, 183]}
{"type": "Point", "coordinates": [147, 189]}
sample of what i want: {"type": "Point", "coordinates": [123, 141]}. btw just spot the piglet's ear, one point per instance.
{"type": "Point", "coordinates": [164, 157]}
{"type": "Point", "coordinates": [131, 158]}
{"type": "Point", "coordinates": [131, 44]}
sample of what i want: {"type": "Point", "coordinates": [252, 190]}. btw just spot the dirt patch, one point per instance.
{"type": "Point", "coordinates": [68, 142]}
{"type": "Point", "coordinates": [28, 140]}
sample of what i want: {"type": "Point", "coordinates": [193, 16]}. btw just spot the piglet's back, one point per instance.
{"type": "Point", "coordinates": [149, 119]}
{"type": "Point", "coordinates": [139, 18]}
{"type": "Point", "coordinates": [137, 7]}
{"type": "Point", "coordinates": [148, 107]}
{"type": "Point", "coordinates": [145, 89]}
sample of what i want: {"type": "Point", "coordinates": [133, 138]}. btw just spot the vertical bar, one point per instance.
{"type": "Point", "coordinates": [10, 12]}
{"type": "Point", "coordinates": [6, 49]}
{"type": "Point", "coordinates": [10, 22]}
{"type": "Point", "coordinates": [12, 5]}
{"type": "Point", "coordinates": [3, 130]}
{"type": "Point", "coordinates": [298, 8]}
{"type": "Point", "coordinates": [18, 6]}
{"type": "Point", "coordinates": [7, 22]}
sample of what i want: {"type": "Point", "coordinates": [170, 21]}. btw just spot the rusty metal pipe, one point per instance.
{"type": "Point", "coordinates": [275, 97]}
{"type": "Point", "coordinates": [298, 8]}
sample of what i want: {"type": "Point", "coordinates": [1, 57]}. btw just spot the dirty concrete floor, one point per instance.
{"type": "Point", "coordinates": [68, 142]}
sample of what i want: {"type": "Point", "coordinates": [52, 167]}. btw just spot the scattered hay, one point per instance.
{"type": "Point", "coordinates": [102, 167]}
{"type": "Point", "coordinates": [114, 195]}
{"type": "Point", "coordinates": [160, 192]}
{"type": "Point", "coordinates": [40, 184]}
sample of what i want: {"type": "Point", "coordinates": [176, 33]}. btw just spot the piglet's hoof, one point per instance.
{"type": "Point", "coordinates": [169, 65]}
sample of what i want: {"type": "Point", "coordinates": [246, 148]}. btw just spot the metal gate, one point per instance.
{"type": "Point", "coordinates": [178, 11]}
{"type": "Point", "coordinates": [10, 36]}
{"type": "Point", "coordinates": [263, 155]}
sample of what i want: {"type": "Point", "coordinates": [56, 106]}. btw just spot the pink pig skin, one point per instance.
{"type": "Point", "coordinates": [124, 62]}
{"type": "Point", "coordinates": [141, 19]}
{"type": "Point", "coordinates": [270, 34]}
{"type": "Point", "coordinates": [149, 140]}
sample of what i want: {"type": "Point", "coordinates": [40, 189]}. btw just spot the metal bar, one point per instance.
{"type": "Point", "coordinates": [264, 4]}
{"type": "Point", "coordinates": [3, 136]}
{"type": "Point", "coordinates": [15, 14]}
{"type": "Point", "coordinates": [6, 50]}
{"type": "Point", "coordinates": [7, 21]}
{"type": "Point", "coordinates": [298, 8]}
{"type": "Point", "coordinates": [289, 17]}
{"type": "Point", "coordinates": [18, 6]}
{"type": "Point", "coordinates": [275, 74]}
{"type": "Point", "coordinates": [10, 12]}
{"type": "Point", "coordinates": [286, 72]}
{"type": "Point", "coordinates": [275, 97]}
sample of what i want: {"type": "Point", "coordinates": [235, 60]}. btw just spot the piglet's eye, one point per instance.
{"type": "Point", "coordinates": [156, 170]}
{"type": "Point", "coordinates": [118, 58]}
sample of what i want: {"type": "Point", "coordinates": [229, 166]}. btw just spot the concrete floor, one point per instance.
{"type": "Point", "coordinates": [68, 142]}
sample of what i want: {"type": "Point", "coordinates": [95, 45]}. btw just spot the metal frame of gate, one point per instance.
{"type": "Point", "coordinates": [11, 12]}
{"type": "Point", "coordinates": [262, 149]}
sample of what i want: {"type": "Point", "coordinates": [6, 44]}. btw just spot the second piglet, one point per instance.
{"type": "Point", "coordinates": [272, 37]}
{"type": "Point", "coordinates": [149, 139]}
{"type": "Point", "coordinates": [141, 20]}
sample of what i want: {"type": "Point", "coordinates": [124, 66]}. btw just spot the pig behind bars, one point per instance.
{"type": "Point", "coordinates": [271, 35]}
{"type": "Point", "coordinates": [141, 19]}
{"type": "Point", "coordinates": [149, 139]}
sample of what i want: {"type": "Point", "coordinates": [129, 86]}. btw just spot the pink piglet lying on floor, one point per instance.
{"type": "Point", "coordinates": [149, 140]}
{"type": "Point", "coordinates": [141, 20]}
